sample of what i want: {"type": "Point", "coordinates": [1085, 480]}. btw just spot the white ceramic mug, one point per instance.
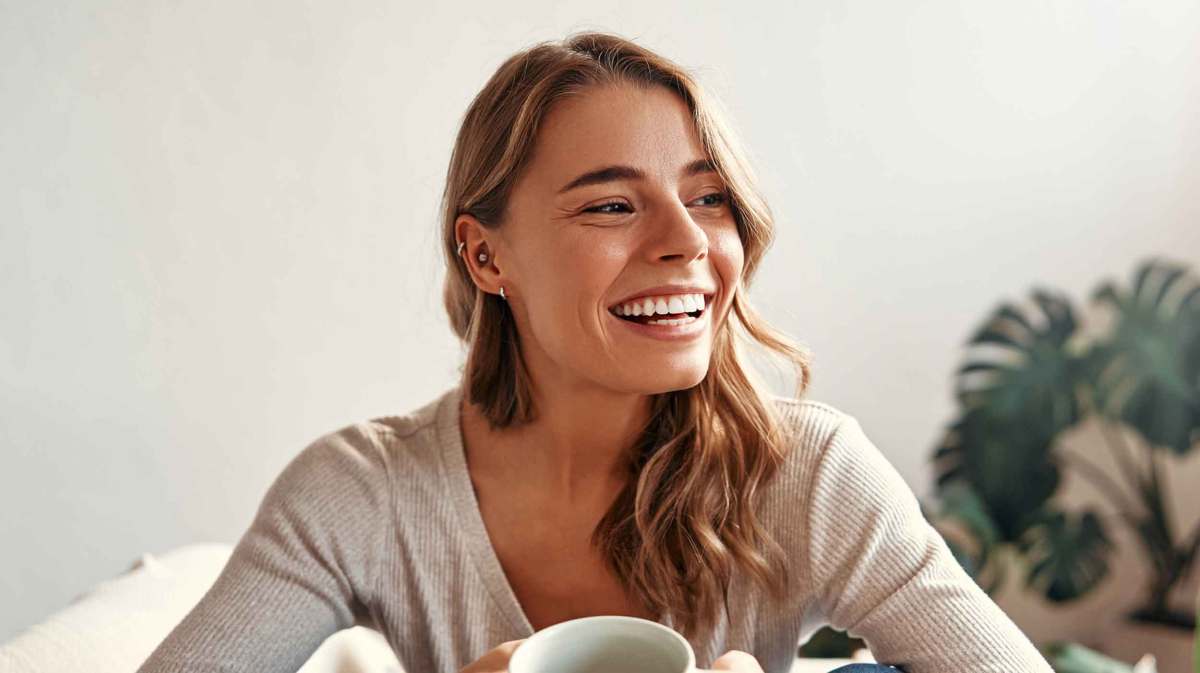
{"type": "Point", "coordinates": [604, 644]}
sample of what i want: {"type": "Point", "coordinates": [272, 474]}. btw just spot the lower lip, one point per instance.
{"type": "Point", "coordinates": [684, 332]}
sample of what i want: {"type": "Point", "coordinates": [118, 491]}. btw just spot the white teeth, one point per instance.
{"type": "Point", "coordinates": [679, 303]}
{"type": "Point", "coordinates": [673, 321]}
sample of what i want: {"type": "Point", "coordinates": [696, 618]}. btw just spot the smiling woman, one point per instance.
{"type": "Point", "coordinates": [616, 213]}
{"type": "Point", "coordinates": [606, 451]}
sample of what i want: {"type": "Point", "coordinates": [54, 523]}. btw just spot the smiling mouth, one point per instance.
{"type": "Point", "coordinates": [665, 318]}
{"type": "Point", "coordinates": [662, 318]}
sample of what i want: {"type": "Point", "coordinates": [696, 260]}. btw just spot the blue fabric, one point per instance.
{"type": "Point", "coordinates": [864, 668]}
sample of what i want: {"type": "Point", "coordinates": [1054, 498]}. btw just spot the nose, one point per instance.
{"type": "Point", "coordinates": [678, 237]}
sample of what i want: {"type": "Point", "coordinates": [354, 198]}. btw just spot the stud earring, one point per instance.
{"type": "Point", "coordinates": [502, 293]}
{"type": "Point", "coordinates": [462, 244]}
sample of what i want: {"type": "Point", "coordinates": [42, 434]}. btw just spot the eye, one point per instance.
{"type": "Point", "coordinates": [718, 200]}
{"type": "Point", "coordinates": [597, 209]}
{"type": "Point", "coordinates": [720, 197]}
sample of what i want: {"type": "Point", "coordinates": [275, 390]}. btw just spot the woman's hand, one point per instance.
{"type": "Point", "coordinates": [494, 660]}
{"type": "Point", "coordinates": [736, 661]}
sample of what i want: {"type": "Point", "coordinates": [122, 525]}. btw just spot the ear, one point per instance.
{"type": "Point", "coordinates": [479, 239]}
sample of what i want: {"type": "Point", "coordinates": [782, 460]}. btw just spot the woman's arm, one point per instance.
{"type": "Point", "coordinates": [884, 574]}
{"type": "Point", "coordinates": [306, 568]}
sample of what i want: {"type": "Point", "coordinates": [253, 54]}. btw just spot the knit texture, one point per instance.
{"type": "Point", "coordinates": [377, 524]}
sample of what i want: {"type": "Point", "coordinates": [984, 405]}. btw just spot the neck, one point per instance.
{"type": "Point", "coordinates": [577, 450]}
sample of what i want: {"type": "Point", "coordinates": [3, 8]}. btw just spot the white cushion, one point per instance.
{"type": "Point", "coordinates": [115, 626]}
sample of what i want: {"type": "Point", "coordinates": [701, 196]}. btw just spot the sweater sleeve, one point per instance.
{"type": "Point", "coordinates": [884, 574]}
{"type": "Point", "coordinates": [304, 569]}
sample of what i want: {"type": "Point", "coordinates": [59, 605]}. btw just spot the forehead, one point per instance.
{"type": "Point", "coordinates": [648, 128]}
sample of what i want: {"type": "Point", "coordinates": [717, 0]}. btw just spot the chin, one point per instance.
{"type": "Point", "coordinates": [665, 382]}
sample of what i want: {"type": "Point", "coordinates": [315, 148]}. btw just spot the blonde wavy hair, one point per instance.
{"type": "Point", "coordinates": [686, 518]}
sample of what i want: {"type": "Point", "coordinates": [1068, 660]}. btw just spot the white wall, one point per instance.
{"type": "Point", "coordinates": [218, 225]}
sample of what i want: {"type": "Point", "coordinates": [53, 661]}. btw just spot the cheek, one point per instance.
{"type": "Point", "coordinates": [567, 298]}
{"type": "Point", "coordinates": [727, 253]}
{"type": "Point", "coordinates": [591, 264]}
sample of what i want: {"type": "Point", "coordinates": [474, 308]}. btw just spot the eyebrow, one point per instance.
{"type": "Point", "coordinates": [619, 172]}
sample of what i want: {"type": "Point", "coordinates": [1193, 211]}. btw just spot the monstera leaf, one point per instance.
{"type": "Point", "coordinates": [1018, 393]}
{"type": "Point", "coordinates": [1006, 464]}
{"type": "Point", "coordinates": [1147, 373]}
{"type": "Point", "coordinates": [1068, 554]}
{"type": "Point", "coordinates": [1034, 377]}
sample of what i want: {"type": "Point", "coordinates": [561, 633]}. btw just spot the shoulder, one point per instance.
{"type": "Point", "coordinates": [837, 471]}
{"type": "Point", "coordinates": [830, 455]}
{"type": "Point", "coordinates": [807, 428]}
{"type": "Point", "coordinates": [399, 452]}
{"type": "Point", "coordinates": [804, 405]}
{"type": "Point", "coordinates": [836, 484]}
{"type": "Point", "coordinates": [828, 439]}
{"type": "Point", "coordinates": [420, 420]}
{"type": "Point", "coordinates": [343, 467]}
{"type": "Point", "coordinates": [808, 425]}
{"type": "Point", "coordinates": [364, 456]}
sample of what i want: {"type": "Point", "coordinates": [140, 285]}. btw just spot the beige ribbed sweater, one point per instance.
{"type": "Point", "coordinates": [377, 523]}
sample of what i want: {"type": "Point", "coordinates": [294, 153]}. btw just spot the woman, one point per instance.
{"type": "Point", "coordinates": [606, 451]}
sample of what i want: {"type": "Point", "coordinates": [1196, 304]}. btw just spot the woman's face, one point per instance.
{"type": "Point", "coordinates": [574, 251]}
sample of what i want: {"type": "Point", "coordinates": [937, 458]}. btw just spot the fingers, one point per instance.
{"type": "Point", "coordinates": [495, 660]}
{"type": "Point", "coordinates": [737, 661]}
{"type": "Point", "coordinates": [508, 646]}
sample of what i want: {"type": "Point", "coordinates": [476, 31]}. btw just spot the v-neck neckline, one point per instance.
{"type": "Point", "coordinates": [466, 506]}
{"type": "Point", "coordinates": [457, 479]}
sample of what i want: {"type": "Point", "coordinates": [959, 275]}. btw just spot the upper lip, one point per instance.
{"type": "Point", "coordinates": [659, 290]}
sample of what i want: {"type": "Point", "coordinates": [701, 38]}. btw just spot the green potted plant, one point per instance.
{"type": "Point", "coordinates": [1031, 376]}
{"type": "Point", "coordinates": [1075, 658]}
